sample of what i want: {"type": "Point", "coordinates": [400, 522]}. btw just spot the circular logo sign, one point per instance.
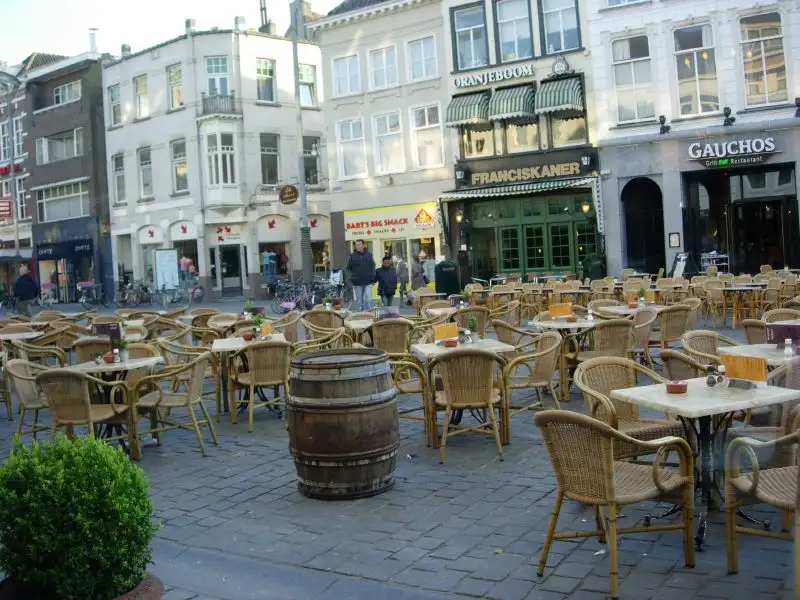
{"type": "Point", "coordinates": [288, 194]}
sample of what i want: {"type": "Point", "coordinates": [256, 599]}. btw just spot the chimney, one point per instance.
{"type": "Point", "coordinates": [239, 24]}
{"type": "Point", "coordinates": [190, 26]}
{"type": "Point", "coordinates": [93, 40]}
{"type": "Point", "coordinates": [267, 26]}
{"type": "Point", "coordinates": [125, 50]}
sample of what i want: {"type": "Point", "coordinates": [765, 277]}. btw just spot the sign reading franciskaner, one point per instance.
{"type": "Point", "coordinates": [487, 77]}
{"type": "Point", "coordinates": [522, 174]}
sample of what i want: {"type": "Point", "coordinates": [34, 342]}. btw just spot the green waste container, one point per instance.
{"type": "Point", "coordinates": [446, 273]}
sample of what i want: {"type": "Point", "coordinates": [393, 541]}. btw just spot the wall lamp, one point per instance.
{"type": "Point", "coordinates": [662, 119]}
{"type": "Point", "coordinates": [459, 174]}
{"type": "Point", "coordinates": [586, 207]}
{"type": "Point", "coordinates": [729, 120]}
{"type": "Point", "coordinates": [586, 160]}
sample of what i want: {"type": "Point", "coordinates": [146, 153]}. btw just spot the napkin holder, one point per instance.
{"type": "Point", "coordinates": [742, 384]}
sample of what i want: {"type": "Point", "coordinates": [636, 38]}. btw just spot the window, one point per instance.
{"type": "Point", "coordinates": [422, 59]}
{"type": "Point", "coordinates": [697, 70]}
{"type": "Point", "coordinates": [311, 160]}
{"type": "Point", "coordinates": [389, 156]}
{"type": "Point", "coordinates": [346, 76]}
{"type": "Point", "coordinates": [352, 156]}
{"type": "Point", "coordinates": [18, 136]}
{"type": "Point", "coordinates": [383, 68]}
{"type": "Point", "coordinates": [145, 173]}
{"type": "Point", "coordinates": [118, 173]}
{"type": "Point", "coordinates": [633, 79]}
{"type": "Point", "coordinates": [180, 181]}
{"type": "Point", "coordinates": [567, 132]}
{"type": "Point", "coordinates": [221, 164]}
{"type": "Point", "coordinates": [560, 25]}
{"type": "Point", "coordinates": [68, 92]}
{"type": "Point", "coordinates": [114, 105]}
{"type": "Point", "coordinates": [764, 61]}
{"type": "Point", "coordinates": [470, 28]}
{"type": "Point", "coordinates": [265, 79]}
{"type": "Point", "coordinates": [5, 188]}
{"type": "Point", "coordinates": [217, 74]}
{"type": "Point", "coordinates": [308, 85]}
{"type": "Point", "coordinates": [476, 142]}
{"type": "Point", "coordinates": [140, 97]}
{"type": "Point", "coordinates": [5, 150]}
{"type": "Point", "coordinates": [59, 147]}
{"type": "Point", "coordinates": [63, 202]}
{"type": "Point", "coordinates": [514, 30]}
{"type": "Point", "coordinates": [22, 206]}
{"type": "Point", "coordinates": [269, 158]}
{"type": "Point", "coordinates": [522, 138]}
{"type": "Point", "coordinates": [427, 137]}
{"type": "Point", "coordinates": [175, 84]}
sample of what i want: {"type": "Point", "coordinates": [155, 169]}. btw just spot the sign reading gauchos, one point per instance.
{"type": "Point", "coordinates": [732, 153]}
{"type": "Point", "coordinates": [522, 174]}
{"type": "Point", "coordinates": [487, 77]}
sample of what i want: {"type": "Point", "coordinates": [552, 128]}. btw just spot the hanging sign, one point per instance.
{"type": "Point", "coordinates": [288, 194]}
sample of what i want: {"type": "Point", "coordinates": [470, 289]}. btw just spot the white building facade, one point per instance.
{"type": "Point", "coordinates": [389, 155]}
{"type": "Point", "coordinates": [697, 127]}
{"type": "Point", "coordinates": [201, 135]}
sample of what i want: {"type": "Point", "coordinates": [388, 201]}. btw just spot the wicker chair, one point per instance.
{"type": "Point", "coordinates": [613, 337]}
{"type": "Point", "coordinates": [87, 348]}
{"type": "Point", "coordinates": [672, 325]}
{"type": "Point", "coordinates": [754, 331]}
{"type": "Point", "coordinates": [41, 355]}
{"type": "Point", "coordinates": [22, 378]}
{"type": "Point", "coordinates": [327, 319]}
{"type": "Point", "coordinates": [436, 304]}
{"type": "Point", "coordinates": [695, 306]}
{"type": "Point", "coordinates": [780, 314]}
{"type": "Point", "coordinates": [582, 452]}
{"type": "Point", "coordinates": [177, 355]}
{"type": "Point", "coordinates": [150, 396]}
{"type": "Point", "coordinates": [422, 297]}
{"type": "Point", "coordinates": [69, 397]}
{"type": "Point", "coordinates": [410, 379]}
{"type": "Point", "coordinates": [643, 320]}
{"type": "Point", "coordinates": [703, 346]}
{"type": "Point", "coordinates": [776, 486]}
{"type": "Point", "coordinates": [598, 377]}
{"type": "Point", "coordinates": [463, 316]}
{"type": "Point", "coordinates": [335, 339]}
{"type": "Point", "coordinates": [106, 320]}
{"type": "Point", "coordinates": [508, 312]}
{"type": "Point", "coordinates": [287, 325]}
{"type": "Point", "coordinates": [523, 340]}
{"type": "Point", "coordinates": [534, 370]}
{"type": "Point", "coordinates": [470, 381]}
{"type": "Point", "coordinates": [716, 302]}
{"type": "Point", "coordinates": [596, 306]}
{"type": "Point", "coordinates": [678, 366]}
{"type": "Point", "coordinates": [267, 366]}
{"type": "Point", "coordinates": [391, 336]}
{"type": "Point", "coordinates": [221, 321]}
{"type": "Point", "coordinates": [770, 298]}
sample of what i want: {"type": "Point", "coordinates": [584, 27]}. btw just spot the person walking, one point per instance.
{"type": "Point", "coordinates": [26, 290]}
{"type": "Point", "coordinates": [361, 267]}
{"type": "Point", "coordinates": [417, 275]}
{"type": "Point", "coordinates": [183, 264]}
{"type": "Point", "coordinates": [402, 278]}
{"type": "Point", "coordinates": [386, 278]}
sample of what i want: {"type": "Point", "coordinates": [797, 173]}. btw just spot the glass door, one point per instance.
{"type": "Point", "coordinates": [536, 257]}
{"type": "Point", "coordinates": [510, 255]}
{"type": "Point", "coordinates": [484, 253]}
{"type": "Point", "coordinates": [560, 245]}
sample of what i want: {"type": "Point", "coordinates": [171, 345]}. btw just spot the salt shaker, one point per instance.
{"type": "Point", "coordinates": [721, 375]}
{"type": "Point", "coordinates": [788, 349]}
{"type": "Point", "coordinates": [711, 379]}
{"type": "Point", "coordinates": [591, 316]}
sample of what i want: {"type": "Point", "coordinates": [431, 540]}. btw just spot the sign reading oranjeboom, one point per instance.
{"type": "Point", "coordinates": [487, 77]}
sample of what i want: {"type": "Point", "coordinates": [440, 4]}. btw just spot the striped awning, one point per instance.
{"type": "Point", "coordinates": [515, 189]}
{"type": "Point", "coordinates": [560, 97]}
{"type": "Point", "coordinates": [472, 109]}
{"type": "Point", "coordinates": [515, 103]}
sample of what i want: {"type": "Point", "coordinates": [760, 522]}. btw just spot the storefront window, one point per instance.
{"type": "Point", "coordinates": [522, 138]}
{"type": "Point", "coordinates": [509, 249]}
{"type": "Point", "coordinates": [568, 132]}
{"type": "Point", "coordinates": [482, 212]}
{"type": "Point", "coordinates": [425, 249]}
{"type": "Point", "coordinates": [534, 247]}
{"type": "Point", "coordinates": [560, 246]}
{"type": "Point", "coordinates": [477, 142]}
{"type": "Point", "coordinates": [507, 209]}
{"type": "Point", "coordinates": [532, 207]}
{"type": "Point", "coordinates": [585, 241]}
{"type": "Point", "coordinates": [559, 206]}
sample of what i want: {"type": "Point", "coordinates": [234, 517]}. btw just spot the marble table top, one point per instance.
{"type": "Point", "coordinates": [701, 401]}
{"type": "Point", "coordinates": [625, 311]}
{"type": "Point", "coordinates": [27, 335]}
{"type": "Point", "coordinates": [442, 312]}
{"type": "Point", "coordinates": [561, 324]}
{"type": "Point", "coordinates": [774, 356]}
{"type": "Point", "coordinates": [233, 344]}
{"type": "Point", "coordinates": [129, 365]}
{"type": "Point", "coordinates": [429, 351]}
{"type": "Point", "coordinates": [358, 324]}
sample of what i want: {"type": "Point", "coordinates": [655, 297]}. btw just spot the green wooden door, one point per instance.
{"type": "Point", "coordinates": [560, 246]}
{"type": "Point", "coordinates": [536, 255]}
{"type": "Point", "coordinates": [509, 246]}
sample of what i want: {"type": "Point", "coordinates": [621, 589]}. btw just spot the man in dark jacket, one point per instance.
{"type": "Point", "coordinates": [361, 267]}
{"type": "Point", "coordinates": [26, 290]}
{"type": "Point", "coordinates": [386, 278]}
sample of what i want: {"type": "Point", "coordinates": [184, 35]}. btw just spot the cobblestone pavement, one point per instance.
{"type": "Point", "coordinates": [234, 527]}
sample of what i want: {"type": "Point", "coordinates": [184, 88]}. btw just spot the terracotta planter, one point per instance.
{"type": "Point", "coordinates": [151, 588]}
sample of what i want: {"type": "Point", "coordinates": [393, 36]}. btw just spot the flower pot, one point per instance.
{"type": "Point", "coordinates": [150, 588]}
{"type": "Point", "coordinates": [123, 355]}
{"type": "Point", "coordinates": [328, 306]}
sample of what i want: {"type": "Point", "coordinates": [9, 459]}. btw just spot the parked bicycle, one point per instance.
{"type": "Point", "coordinates": [184, 294]}
{"type": "Point", "coordinates": [92, 296]}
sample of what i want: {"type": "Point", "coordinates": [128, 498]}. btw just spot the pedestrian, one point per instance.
{"type": "Point", "coordinates": [361, 267]}
{"type": "Point", "coordinates": [386, 278]}
{"type": "Point", "coordinates": [417, 275]}
{"type": "Point", "coordinates": [183, 264]}
{"type": "Point", "coordinates": [26, 289]}
{"type": "Point", "coordinates": [402, 278]}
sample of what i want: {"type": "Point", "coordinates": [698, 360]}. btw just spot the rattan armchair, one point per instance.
{"type": "Point", "coordinates": [508, 312]}
{"type": "Point", "coordinates": [643, 321]}
{"type": "Point", "coordinates": [533, 370]}
{"type": "Point", "coordinates": [780, 314]}
{"type": "Point", "coordinates": [471, 379]}
{"type": "Point", "coordinates": [582, 452]}
{"type": "Point", "coordinates": [463, 316]}
{"type": "Point", "coordinates": [678, 366]}
{"type": "Point", "coordinates": [87, 348]}
{"type": "Point", "coordinates": [672, 325]}
{"type": "Point", "coordinates": [335, 339]}
{"type": "Point", "coordinates": [598, 377]}
{"type": "Point", "coordinates": [754, 331]}
{"type": "Point", "coordinates": [716, 302]}
{"type": "Point", "coordinates": [703, 346]}
{"type": "Point", "coordinates": [324, 319]}
{"type": "Point", "coordinates": [695, 306]}
{"type": "Point", "coordinates": [287, 325]}
{"type": "Point", "coordinates": [523, 340]}
{"type": "Point", "coordinates": [22, 379]}
{"type": "Point", "coordinates": [391, 336]}
{"type": "Point", "coordinates": [38, 354]}
{"type": "Point", "coordinates": [176, 355]}
{"type": "Point", "coordinates": [410, 379]}
{"type": "Point", "coordinates": [266, 366]}
{"type": "Point", "coordinates": [597, 306]}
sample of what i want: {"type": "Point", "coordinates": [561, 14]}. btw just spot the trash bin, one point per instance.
{"type": "Point", "coordinates": [594, 267]}
{"type": "Point", "coordinates": [447, 278]}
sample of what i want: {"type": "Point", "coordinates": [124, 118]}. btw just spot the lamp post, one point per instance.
{"type": "Point", "coordinates": [10, 85]}
{"type": "Point", "coordinates": [305, 230]}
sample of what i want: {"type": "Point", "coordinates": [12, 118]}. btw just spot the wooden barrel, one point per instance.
{"type": "Point", "coordinates": [343, 424]}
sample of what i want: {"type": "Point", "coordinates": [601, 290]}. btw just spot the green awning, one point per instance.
{"type": "Point", "coordinates": [560, 97]}
{"type": "Point", "coordinates": [515, 189]}
{"type": "Point", "coordinates": [515, 103]}
{"type": "Point", "coordinates": [472, 109]}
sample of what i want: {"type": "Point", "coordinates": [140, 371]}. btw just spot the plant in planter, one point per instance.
{"type": "Point", "coordinates": [641, 292]}
{"type": "Point", "coordinates": [75, 524]}
{"type": "Point", "coordinates": [122, 346]}
{"type": "Point", "coordinates": [248, 309]}
{"type": "Point", "coordinates": [328, 301]}
{"type": "Point", "coordinates": [472, 323]}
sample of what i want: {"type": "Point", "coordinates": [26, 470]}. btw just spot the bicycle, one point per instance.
{"type": "Point", "coordinates": [10, 304]}
{"type": "Point", "coordinates": [299, 296]}
{"type": "Point", "coordinates": [92, 296]}
{"type": "Point", "coordinates": [185, 294]}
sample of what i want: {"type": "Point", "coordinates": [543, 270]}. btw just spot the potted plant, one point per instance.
{"type": "Point", "coordinates": [122, 346]}
{"type": "Point", "coordinates": [641, 296]}
{"type": "Point", "coordinates": [248, 309]}
{"type": "Point", "coordinates": [75, 524]}
{"type": "Point", "coordinates": [472, 323]}
{"type": "Point", "coordinates": [328, 302]}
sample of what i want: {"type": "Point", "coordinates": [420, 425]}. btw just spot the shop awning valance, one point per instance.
{"type": "Point", "coordinates": [515, 103]}
{"type": "Point", "coordinates": [515, 189]}
{"type": "Point", "coordinates": [560, 97]}
{"type": "Point", "coordinates": [472, 109]}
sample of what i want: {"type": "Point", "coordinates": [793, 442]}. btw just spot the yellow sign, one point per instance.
{"type": "Point", "coordinates": [632, 297]}
{"type": "Point", "coordinates": [650, 296]}
{"type": "Point", "coordinates": [266, 329]}
{"type": "Point", "coordinates": [751, 368]}
{"type": "Point", "coordinates": [527, 173]}
{"type": "Point", "coordinates": [445, 331]}
{"type": "Point", "coordinates": [562, 309]}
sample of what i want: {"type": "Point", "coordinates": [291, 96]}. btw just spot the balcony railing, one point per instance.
{"type": "Point", "coordinates": [221, 104]}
